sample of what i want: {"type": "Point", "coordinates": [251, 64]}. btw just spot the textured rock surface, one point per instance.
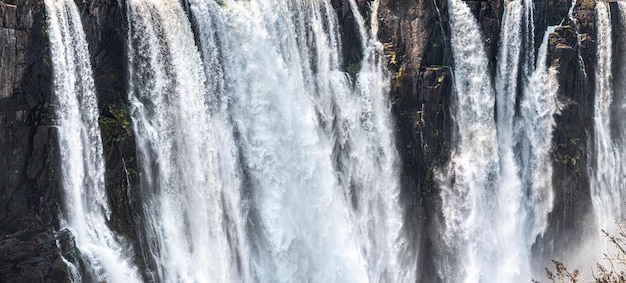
{"type": "Point", "coordinates": [29, 195]}
{"type": "Point", "coordinates": [105, 25]}
{"type": "Point", "coordinates": [36, 258]}
{"type": "Point", "coordinates": [572, 50]}
{"type": "Point", "coordinates": [415, 36]}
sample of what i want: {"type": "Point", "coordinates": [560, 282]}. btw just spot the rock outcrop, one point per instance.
{"type": "Point", "coordinates": [29, 194]}
{"type": "Point", "coordinates": [415, 35]}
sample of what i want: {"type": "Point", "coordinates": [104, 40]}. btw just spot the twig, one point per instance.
{"type": "Point", "coordinates": [7, 5]}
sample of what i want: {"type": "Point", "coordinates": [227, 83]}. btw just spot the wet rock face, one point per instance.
{"type": "Point", "coordinates": [572, 50]}
{"type": "Point", "coordinates": [415, 35]}
{"type": "Point", "coordinates": [489, 15]}
{"type": "Point", "coordinates": [40, 257]}
{"type": "Point", "coordinates": [104, 22]}
{"type": "Point", "coordinates": [350, 38]}
{"type": "Point", "coordinates": [29, 191]}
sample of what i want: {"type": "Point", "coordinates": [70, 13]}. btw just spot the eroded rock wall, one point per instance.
{"type": "Point", "coordinates": [29, 190]}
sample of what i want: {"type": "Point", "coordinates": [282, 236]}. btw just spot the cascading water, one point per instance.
{"type": "Point", "coordinates": [515, 61]}
{"type": "Point", "coordinates": [471, 177]}
{"type": "Point", "coordinates": [497, 191]}
{"type": "Point", "coordinates": [189, 163]}
{"type": "Point", "coordinates": [86, 206]}
{"type": "Point", "coordinates": [608, 152]}
{"type": "Point", "coordinates": [374, 165]}
{"type": "Point", "coordinates": [526, 103]}
{"type": "Point", "coordinates": [262, 160]}
{"type": "Point", "coordinates": [538, 107]}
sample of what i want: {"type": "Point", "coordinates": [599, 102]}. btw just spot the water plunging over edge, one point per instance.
{"type": "Point", "coordinates": [86, 206]}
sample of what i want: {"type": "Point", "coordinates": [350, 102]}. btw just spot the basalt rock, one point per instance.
{"type": "Point", "coordinates": [415, 35]}
{"type": "Point", "coordinates": [29, 191]}
{"type": "Point", "coordinates": [105, 26]}
{"type": "Point", "coordinates": [572, 51]}
{"type": "Point", "coordinates": [41, 257]}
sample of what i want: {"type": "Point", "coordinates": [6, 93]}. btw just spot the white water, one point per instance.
{"type": "Point", "coordinates": [471, 177]}
{"type": "Point", "coordinates": [86, 205]}
{"type": "Point", "coordinates": [538, 107]}
{"type": "Point", "coordinates": [374, 165]}
{"type": "Point", "coordinates": [263, 161]}
{"type": "Point", "coordinates": [606, 166]}
{"type": "Point", "coordinates": [515, 62]}
{"type": "Point", "coordinates": [189, 163]}
{"type": "Point", "coordinates": [302, 226]}
{"type": "Point", "coordinates": [497, 191]}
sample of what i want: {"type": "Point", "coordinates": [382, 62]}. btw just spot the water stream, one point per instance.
{"type": "Point", "coordinates": [86, 209]}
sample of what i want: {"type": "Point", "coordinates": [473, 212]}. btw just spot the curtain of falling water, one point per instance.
{"type": "Point", "coordinates": [538, 107]}
{"type": "Point", "coordinates": [606, 163]}
{"type": "Point", "coordinates": [86, 206]}
{"type": "Point", "coordinates": [471, 176]}
{"type": "Point", "coordinates": [526, 103]}
{"type": "Point", "coordinates": [374, 165]}
{"type": "Point", "coordinates": [181, 140]}
{"type": "Point", "coordinates": [516, 56]}
{"type": "Point", "coordinates": [497, 192]}
{"type": "Point", "coordinates": [263, 160]}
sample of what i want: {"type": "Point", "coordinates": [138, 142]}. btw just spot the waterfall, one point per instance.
{"type": "Point", "coordinates": [538, 107]}
{"type": "Point", "coordinates": [515, 62]}
{"type": "Point", "coordinates": [526, 103]}
{"type": "Point", "coordinates": [188, 164]}
{"type": "Point", "coordinates": [262, 160]}
{"type": "Point", "coordinates": [471, 176]}
{"type": "Point", "coordinates": [265, 156]}
{"type": "Point", "coordinates": [374, 164]}
{"type": "Point", "coordinates": [606, 165]}
{"type": "Point", "coordinates": [86, 206]}
{"type": "Point", "coordinates": [497, 188]}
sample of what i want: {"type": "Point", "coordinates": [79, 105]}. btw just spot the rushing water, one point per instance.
{"type": "Point", "coordinates": [472, 173]}
{"type": "Point", "coordinates": [606, 166]}
{"type": "Point", "coordinates": [263, 160]}
{"type": "Point", "coordinates": [538, 107]}
{"type": "Point", "coordinates": [186, 163]}
{"type": "Point", "coordinates": [497, 189]}
{"type": "Point", "coordinates": [86, 208]}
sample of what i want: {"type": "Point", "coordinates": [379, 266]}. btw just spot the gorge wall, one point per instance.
{"type": "Point", "coordinates": [416, 40]}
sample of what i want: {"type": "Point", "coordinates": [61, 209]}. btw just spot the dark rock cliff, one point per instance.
{"type": "Point", "coordinates": [105, 26]}
{"type": "Point", "coordinates": [416, 39]}
{"type": "Point", "coordinates": [29, 191]}
{"type": "Point", "coordinates": [572, 49]}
